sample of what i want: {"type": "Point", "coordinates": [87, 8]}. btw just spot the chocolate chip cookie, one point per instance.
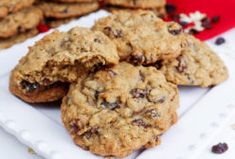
{"type": "Point", "coordinates": [59, 59]}
{"type": "Point", "coordinates": [120, 109]}
{"type": "Point", "coordinates": [137, 3]}
{"type": "Point", "coordinates": [67, 10]}
{"type": "Point", "coordinates": [19, 22]}
{"type": "Point", "coordinates": [197, 65]}
{"type": "Point", "coordinates": [13, 6]}
{"type": "Point", "coordinates": [8, 42]}
{"type": "Point", "coordinates": [141, 37]}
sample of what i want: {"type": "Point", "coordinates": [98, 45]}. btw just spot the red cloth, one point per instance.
{"type": "Point", "coordinates": [223, 8]}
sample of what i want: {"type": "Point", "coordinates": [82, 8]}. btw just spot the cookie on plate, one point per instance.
{"type": "Point", "coordinates": [59, 59]}
{"type": "Point", "coordinates": [197, 65]}
{"type": "Point", "coordinates": [120, 109]}
{"type": "Point", "coordinates": [141, 37]}
{"type": "Point", "coordinates": [67, 10]}
{"type": "Point", "coordinates": [8, 42]}
{"type": "Point", "coordinates": [19, 22]}
{"type": "Point", "coordinates": [143, 4]}
{"type": "Point", "coordinates": [13, 6]}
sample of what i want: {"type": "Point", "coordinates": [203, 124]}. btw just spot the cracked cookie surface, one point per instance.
{"type": "Point", "coordinates": [19, 22]}
{"type": "Point", "coordinates": [67, 10]}
{"type": "Point", "coordinates": [59, 59]}
{"type": "Point", "coordinates": [120, 109]}
{"type": "Point", "coordinates": [141, 37]}
{"type": "Point", "coordinates": [197, 65]}
{"type": "Point", "coordinates": [13, 6]}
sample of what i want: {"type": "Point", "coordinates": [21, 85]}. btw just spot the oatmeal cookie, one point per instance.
{"type": "Point", "coordinates": [13, 6]}
{"type": "Point", "coordinates": [59, 59]}
{"type": "Point", "coordinates": [120, 109]}
{"type": "Point", "coordinates": [141, 37]}
{"type": "Point", "coordinates": [19, 22]}
{"type": "Point", "coordinates": [197, 65]}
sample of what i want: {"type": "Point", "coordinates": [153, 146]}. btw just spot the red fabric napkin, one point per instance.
{"type": "Point", "coordinates": [225, 9]}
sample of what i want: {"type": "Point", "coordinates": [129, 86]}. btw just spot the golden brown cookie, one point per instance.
{"type": "Point", "coordinates": [143, 4]}
{"type": "Point", "coordinates": [13, 6]}
{"type": "Point", "coordinates": [197, 65]}
{"type": "Point", "coordinates": [141, 37]}
{"type": "Point", "coordinates": [59, 59]}
{"type": "Point", "coordinates": [67, 10]}
{"type": "Point", "coordinates": [8, 42]}
{"type": "Point", "coordinates": [20, 22]}
{"type": "Point", "coordinates": [120, 109]}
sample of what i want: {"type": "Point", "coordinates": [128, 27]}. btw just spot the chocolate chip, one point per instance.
{"type": "Point", "coordinates": [158, 65]}
{"type": "Point", "coordinates": [170, 8]}
{"type": "Point", "coordinates": [138, 93]}
{"type": "Point", "coordinates": [97, 93]}
{"type": "Point", "coordinates": [90, 132]}
{"type": "Point", "coordinates": [206, 23]}
{"type": "Point", "coordinates": [219, 41]}
{"type": "Point", "coordinates": [140, 122]}
{"type": "Point", "coordinates": [113, 33]}
{"type": "Point", "coordinates": [111, 106]}
{"type": "Point", "coordinates": [219, 148]}
{"type": "Point", "coordinates": [215, 19]}
{"type": "Point", "coordinates": [182, 66]}
{"type": "Point", "coordinates": [97, 67]}
{"type": "Point", "coordinates": [29, 87]}
{"type": "Point", "coordinates": [137, 58]}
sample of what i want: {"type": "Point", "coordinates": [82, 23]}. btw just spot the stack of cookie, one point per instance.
{"type": "Point", "coordinates": [118, 80]}
{"type": "Point", "coordinates": [59, 12]}
{"type": "Point", "coordinates": [18, 21]}
{"type": "Point", "coordinates": [157, 6]}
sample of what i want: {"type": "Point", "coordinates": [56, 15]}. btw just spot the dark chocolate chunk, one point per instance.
{"type": "Point", "coordinates": [90, 132]}
{"type": "Point", "coordinates": [138, 93]}
{"type": "Point", "coordinates": [137, 58]}
{"type": "Point", "coordinates": [219, 148]}
{"type": "Point", "coordinates": [140, 122]}
{"type": "Point", "coordinates": [29, 87]}
{"type": "Point", "coordinates": [113, 33]}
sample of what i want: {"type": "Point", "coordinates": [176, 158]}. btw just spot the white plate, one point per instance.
{"type": "Point", "coordinates": [203, 114]}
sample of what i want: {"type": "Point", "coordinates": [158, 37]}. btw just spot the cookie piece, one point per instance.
{"type": "Point", "coordinates": [19, 22]}
{"type": "Point", "coordinates": [137, 3]}
{"type": "Point", "coordinates": [120, 109]}
{"type": "Point", "coordinates": [6, 43]}
{"type": "Point", "coordinates": [13, 6]}
{"type": "Point", "coordinates": [197, 65]}
{"type": "Point", "coordinates": [67, 10]}
{"type": "Point", "coordinates": [59, 59]}
{"type": "Point", "coordinates": [141, 37]}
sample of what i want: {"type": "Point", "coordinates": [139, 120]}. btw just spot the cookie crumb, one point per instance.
{"type": "Point", "coordinates": [219, 41]}
{"type": "Point", "coordinates": [219, 148]}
